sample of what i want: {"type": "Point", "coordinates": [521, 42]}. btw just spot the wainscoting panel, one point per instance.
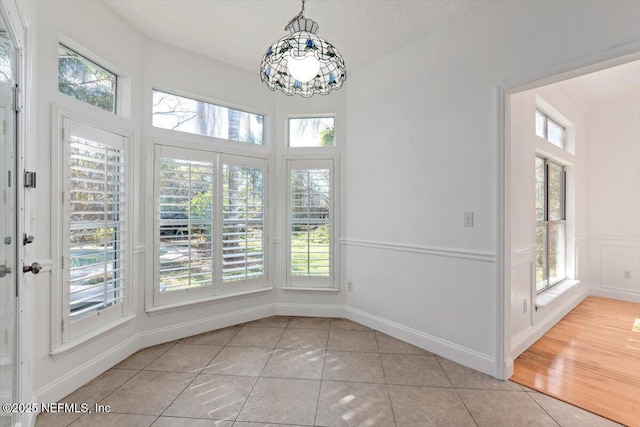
{"type": "Point", "coordinates": [614, 267]}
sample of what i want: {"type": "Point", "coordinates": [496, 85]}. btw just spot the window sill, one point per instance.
{"type": "Point", "coordinates": [308, 289]}
{"type": "Point", "coordinates": [182, 304]}
{"type": "Point", "coordinates": [546, 297]}
{"type": "Point", "coordinates": [65, 348]}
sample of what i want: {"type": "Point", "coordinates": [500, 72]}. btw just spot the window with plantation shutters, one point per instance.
{"type": "Point", "coordinates": [209, 224]}
{"type": "Point", "coordinates": [311, 223]}
{"type": "Point", "coordinates": [185, 191]}
{"type": "Point", "coordinates": [242, 222]}
{"type": "Point", "coordinates": [94, 229]}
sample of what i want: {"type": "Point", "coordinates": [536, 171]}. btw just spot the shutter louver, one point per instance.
{"type": "Point", "coordinates": [310, 221]}
{"type": "Point", "coordinates": [96, 182]}
{"type": "Point", "coordinates": [243, 223]}
{"type": "Point", "coordinates": [185, 224]}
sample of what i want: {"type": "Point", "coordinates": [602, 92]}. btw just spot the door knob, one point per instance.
{"type": "Point", "coordinates": [34, 268]}
{"type": "Point", "coordinates": [4, 270]}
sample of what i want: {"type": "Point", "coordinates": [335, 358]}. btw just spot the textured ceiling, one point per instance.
{"type": "Point", "coordinates": [238, 31]}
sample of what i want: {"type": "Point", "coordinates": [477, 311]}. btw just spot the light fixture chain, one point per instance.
{"type": "Point", "coordinates": [300, 15]}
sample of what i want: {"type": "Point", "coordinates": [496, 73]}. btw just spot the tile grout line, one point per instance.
{"type": "Point", "coordinates": [190, 382]}
{"type": "Point", "coordinates": [384, 374]}
{"type": "Point", "coordinates": [456, 391]}
{"type": "Point", "coordinates": [324, 361]}
{"type": "Point", "coordinates": [541, 407]}
{"type": "Point", "coordinates": [235, 419]}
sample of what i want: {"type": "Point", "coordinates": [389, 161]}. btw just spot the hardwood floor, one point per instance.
{"type": "Point", "coordinates": [590, 359]}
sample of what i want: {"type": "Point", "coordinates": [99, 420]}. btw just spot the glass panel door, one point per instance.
{"type": "Point", "coordinates": [8, 241]}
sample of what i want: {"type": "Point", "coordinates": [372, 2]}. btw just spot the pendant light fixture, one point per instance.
{"type": "Point", "coordinates": [301, 62]}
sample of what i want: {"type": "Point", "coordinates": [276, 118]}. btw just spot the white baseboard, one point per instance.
{"type": "Point", "coordinates": [199, 326]}
{"type": "Point", "coordinates": [615, 294]}
{"type": "Point", "coordinates": [314, 310]}
{"type": "Point", "coordinates": [525, 339]}
{"type": "Point", "coordinates": [457, 353]}
{"type": "Point", "coordinates": [508, 368]}
{"type": "Point", "coordinates": [71, 381]}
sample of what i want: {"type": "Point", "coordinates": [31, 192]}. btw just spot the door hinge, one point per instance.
{"type": "Point", "coordinates": [62, 133]}
{"type": "Point", "coordinates": [62, 262]}
{"type": "Point", "coordinates": [16, 99]}
{"type": "Point", "coordinates": [62, 197]}
{"type": "Point", "coordinates": [62, 325]}
{"type": "Point", "coordinates": [29, 179]}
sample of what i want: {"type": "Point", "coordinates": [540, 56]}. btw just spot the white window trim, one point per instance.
{"type": "Point", "coordinates": [547, 223]}
{"type": "Point", "coordinates": [86, 329]}
{"type": "Point", "coordinates": [302, 283]}
{"type": "Point", "coordinates": [219, 290]}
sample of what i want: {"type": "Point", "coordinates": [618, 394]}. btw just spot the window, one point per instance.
{"type": "Point", "coordinates": [310, 243]}
{"type": "Point", "coordinates": [243, 223]}
{"type": "Point", "coordinates": [86, 81]}
{"type": "Point", "coordinates": [312, 132]}
{"type": "Point", "coordinates": [550, 223]}
{"type": "Point", "coordinates": [548, 129]}
{"type": "Point", "coordinates": [185, 199]}
{"type": "Point", "coordinates": [94, 227]}
{"type": "Point", "coordinates": [210, 224]}
{"type": "Point", "coordinates": [188, 115]}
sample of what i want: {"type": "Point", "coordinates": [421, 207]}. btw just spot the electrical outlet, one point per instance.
{"type": "Point", "coordinates": [468, 219]}
{"type": "Point", "coordinates": [524, 306]}
{"type": "Point", "coordinates": [350, 286]}
{"type": "Point", "coordinates": [626, 274]}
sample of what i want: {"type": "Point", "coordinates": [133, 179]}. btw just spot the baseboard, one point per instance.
{"type": "Point", "coordinates": [525, 339]}
{"type": "Point", "coordinates": [71, 381]}
{"type": "Point", "coordinates": [313, 310]}
{"type": "Point", "coordinates": [457, 353]}
{"type": "Point", "coordinates": [65, 384]}
{"type": "Point", "coordinates": [508, 368]}
{"type": "Point", "coordinates": [615, 294]}
{"type": "Point", "coordinates": [199, 326]}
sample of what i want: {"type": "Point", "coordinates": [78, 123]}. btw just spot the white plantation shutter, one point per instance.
{"type": "Point", "coordinates": [185, 191]}
{"type": "Point", "coordinates": [209, 224]}
{"type": "Point", "coordinates": [311, 223]}
{"type": "Point", "coordinates": [243, 216]}
{"type": "Point", "coordinates": [94, 227]}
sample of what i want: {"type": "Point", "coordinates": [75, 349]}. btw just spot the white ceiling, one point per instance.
{"type": "Point", "coordinates": [606, 87]}
{"type": "Point", "coordinates": [239, 31]}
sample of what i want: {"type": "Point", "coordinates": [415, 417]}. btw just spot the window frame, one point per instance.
{"type": "Point", "coordinates": [310, 282]}
{"type": "Point", "coordinates": [66, 334]}
{"type": "Point", "coordinates": [546, 223]}
{"type": "Point", "coordinates": [236, 144]}
{"type": "Point", "coordinates": [85, 58]}
{"type": "Point", "coordinates": [288, 145]}
{"type": "Point", "coordinates": [218, 288]}
{"type": "Point", "coordinates": [545, 136]}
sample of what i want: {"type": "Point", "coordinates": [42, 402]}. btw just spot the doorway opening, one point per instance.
{"type": "Point", "coordinates": [571, 201]}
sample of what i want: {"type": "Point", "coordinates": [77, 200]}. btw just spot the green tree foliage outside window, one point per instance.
{"type": "Point", "coordinates": [86, 81]}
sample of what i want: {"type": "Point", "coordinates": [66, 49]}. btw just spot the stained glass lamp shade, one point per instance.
{"type": "Point", "coordinates": [303, 63]}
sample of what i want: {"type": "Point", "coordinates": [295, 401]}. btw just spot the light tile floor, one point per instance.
{"type": "Point", "coordinates": [295, 371]}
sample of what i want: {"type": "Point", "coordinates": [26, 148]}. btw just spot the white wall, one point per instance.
{"type": "Point", "coordinates": [530, 319]}
{"type": "Point", "coordinates": [423, 149]}
{"type": "Point", "coordinates": [145, 64]}
{"type": "Point", "coordinates": [614, 200]}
